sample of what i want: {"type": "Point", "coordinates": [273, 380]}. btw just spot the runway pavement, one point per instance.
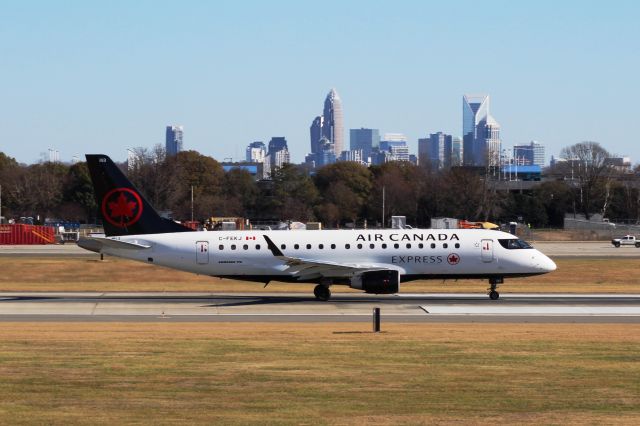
{"type": "Point", "coordinates": [294, 307]}
{"type": "Point", "coordinates": [554, 249]}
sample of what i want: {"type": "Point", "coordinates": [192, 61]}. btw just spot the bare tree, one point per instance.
{"type": "Point", "coordinates": [590, 173]}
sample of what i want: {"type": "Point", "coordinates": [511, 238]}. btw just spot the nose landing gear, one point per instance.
{"type": "Point", "coordinates": [494, 282]}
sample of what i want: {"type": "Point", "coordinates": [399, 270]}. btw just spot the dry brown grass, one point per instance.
{"type": "Point", "coordinates": [80, 274]}
{"type": "Point", "coordinates": [101, 373]}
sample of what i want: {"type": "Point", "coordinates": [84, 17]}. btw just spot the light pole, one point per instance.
{"type": "Point", "coordinates": [383, 207]}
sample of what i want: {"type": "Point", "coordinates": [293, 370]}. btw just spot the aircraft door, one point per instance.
{"type": "Point", "coordinates": [486, 249]}
{"type": "Point", "coordinates": [202, 252]}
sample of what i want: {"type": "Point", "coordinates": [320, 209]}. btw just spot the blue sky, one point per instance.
{"type": "Point", "coordinates": [88, 77]}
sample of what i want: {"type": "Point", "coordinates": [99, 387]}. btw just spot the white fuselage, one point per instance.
{"type": "Point", "coordinates": [414, 253]}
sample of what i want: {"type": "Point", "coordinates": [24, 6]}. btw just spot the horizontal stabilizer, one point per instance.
{"type": "Point", "coordinates": [98, 244]}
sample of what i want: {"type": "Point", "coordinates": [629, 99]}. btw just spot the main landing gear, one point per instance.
{"type": "Point", "coordinates": [493, 294]}
{"type": "Point", "coordinates": [322, 292]}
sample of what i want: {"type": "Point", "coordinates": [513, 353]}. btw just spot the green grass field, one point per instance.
{"type": "Point", "coordinates": [102, 373]}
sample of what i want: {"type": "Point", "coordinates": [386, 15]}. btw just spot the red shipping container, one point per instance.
{"type": "Point", "coordinates": [21, 234]}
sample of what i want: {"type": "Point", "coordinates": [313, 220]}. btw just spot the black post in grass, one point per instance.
{"type": "Point", "coordinates": [376, 320]}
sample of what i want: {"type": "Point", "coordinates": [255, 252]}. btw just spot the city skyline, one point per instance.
{"type": "Point", "coordinates": [243, 71]}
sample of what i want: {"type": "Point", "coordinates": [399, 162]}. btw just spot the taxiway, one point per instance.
{"type": "Point", "coordinates": [295, 307]}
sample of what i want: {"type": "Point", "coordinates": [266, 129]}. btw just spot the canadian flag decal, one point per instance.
{"type": "Point", "coordinates": [249, 238]}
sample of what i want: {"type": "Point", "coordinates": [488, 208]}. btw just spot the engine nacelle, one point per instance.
{"type": "Point", "coordinates": [377, 282]}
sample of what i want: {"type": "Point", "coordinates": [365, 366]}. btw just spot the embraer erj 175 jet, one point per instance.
{"type": "Point", "coordinates": [375, 261]}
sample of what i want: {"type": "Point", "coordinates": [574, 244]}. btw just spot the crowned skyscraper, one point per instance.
{"type": "Point", "coordinates": [327, 132]}
{"type": "Point", "coordinates": [333, 127]}
{"type": "Point", "coordinates": [480, 132]}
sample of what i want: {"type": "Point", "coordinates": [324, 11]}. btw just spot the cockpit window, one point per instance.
{"type": "Point", "coordinates": [514, 244]}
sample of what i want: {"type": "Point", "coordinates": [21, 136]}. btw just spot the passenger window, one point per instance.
{"type": "Point", "coordinates": [308, 246]}
{"type": "Point", "coordinates": [457, 245]}
{"type": "Point", "coordinates": [384, 245]}
{"type": "Point", "coordinates": [296, 246]}
{"type": "Point", "coordinates": [420, 245]}
{"type": "Point", "coordinates": [396, 245]}
{"type": "Point", "coordinates": [282, 246]}
{"type": "Point", "coordinates": [257, 246]}
{"type": "Point", "coordinates": [347, 246]}
{"type": "Point", "coordinates": [408, 245]}
{"type": "Point", "coordinates": [372, 246]}
{"type": "Point", "coordinates": [359, 246]}
{"type": "Point", "coordinates": [333, 246]}
{"type": "Point", "coordinates": [320, 246]}
{"type": "Point", "coordinates": [220, 247]}
{"type": "Point", "coordinates": [233, 246]}
{"type": "Point", "coordinates": [433, 245]}
{"type": "Point", "coordinates": [445, 245]}
{"type": "Point", "coordinates": [246, 247]}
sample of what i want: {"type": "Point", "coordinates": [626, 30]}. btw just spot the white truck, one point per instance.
{"type": "Point", "coordinates": [627, 240]}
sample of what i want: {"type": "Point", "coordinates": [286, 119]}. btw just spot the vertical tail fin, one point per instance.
{"type": "Point", "coordinates": [124, 210]}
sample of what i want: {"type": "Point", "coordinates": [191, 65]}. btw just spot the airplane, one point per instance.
{"type": "Point", "coordinates": [372, 260]}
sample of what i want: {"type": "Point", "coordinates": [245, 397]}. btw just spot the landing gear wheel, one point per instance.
{"type": "Point", "coordinates": [322, 292]}
{"type": "Point", "coordinates": [494, 282]}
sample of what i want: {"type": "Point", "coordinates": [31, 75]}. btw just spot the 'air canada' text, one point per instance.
{"type": "Point", "coordinates": [408, 237]}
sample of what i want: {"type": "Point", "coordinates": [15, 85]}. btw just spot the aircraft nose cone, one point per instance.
{"type": "Point", "coordinates": [547, 264]}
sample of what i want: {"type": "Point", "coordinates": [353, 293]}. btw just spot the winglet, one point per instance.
{"type": "Point", "coordinates": [274, 248]}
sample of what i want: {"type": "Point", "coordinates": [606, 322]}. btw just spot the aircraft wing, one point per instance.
{"type": "Point", "coordinates": [98, 244]}
{"type": "Point", "coordinates": [310, 268]}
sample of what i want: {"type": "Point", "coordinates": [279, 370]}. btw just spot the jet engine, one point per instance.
{"type": "Point", "coordinates": [377, 282]}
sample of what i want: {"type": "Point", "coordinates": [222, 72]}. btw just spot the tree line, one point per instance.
{"type": "Point", "coordinates": [337, 195]}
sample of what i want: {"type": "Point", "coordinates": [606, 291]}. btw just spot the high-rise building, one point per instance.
{"type": "Point", "coordinates": [438, 150]}
{"type": "Point", "coordinates": [354, 155]}
{"type": "Point", "coordinates": [332, 127]}
{"type": "Point", "coordinates": [326, 153]}
{"type": "Point", "coordinates": [315, 132]}
{"type": "Point", "coordinates": [480, 132]}
{"type": "Point", "coordinates": [277, 143]}
{"type": "Point", "coordinates": [456, 151]}
{"type": "Point", "coordinates": [396, 145]}
{"type": "Point", "coordinates": [365, 140]}
{"type": "Point", "coordinates": [529, 154]}
{"type": "Point", "coordinates": [487, 144]}
{"type": "Point", "coordinates": [278, 152]}
{"type": "Point", "coordinates": [173, 140]}
{"type": "Point", "coordinates": [256, 151]}
{"type": "Point", "coordinates": [132, 159]}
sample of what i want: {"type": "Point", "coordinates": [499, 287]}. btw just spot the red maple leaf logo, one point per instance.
{"type": "Point", "coordinates": [453, 259]}
{"type": "Point", "coordinates": [122, 208]}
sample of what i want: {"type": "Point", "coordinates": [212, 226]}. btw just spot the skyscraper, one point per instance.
{"type": "Point", "coordinates": [396, 145]}
{"type": "Point", "coordinates": [480, 132]}
{"type": "Point", "coordinates": [365, 140]}
{"type": "Point", "coordinates": [333, 128]}
{"type": "Point", "coordinates": [326, 154]}
{"type": "Point", "coordinates": [315, 132]}
{"type": "Point", "coordinates": [278, 152]}
{"type": "Point", "coordinates": [456, 151]}
{"type": "Point", "coordinates": [529, 154]}
{"type": "Point", "coordinates": [436, 150]}
{"type": "Point", "coordinates": [173, 140]}
{"type": "Point", "coordinates": [487, 143]}
{"type": "Point", "coordinates": [256, 151]}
